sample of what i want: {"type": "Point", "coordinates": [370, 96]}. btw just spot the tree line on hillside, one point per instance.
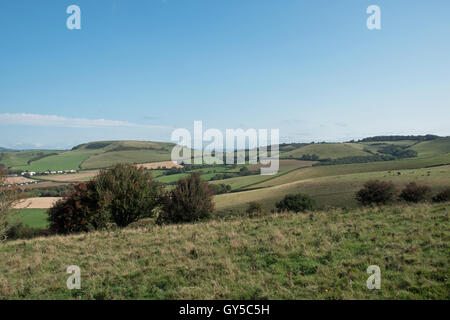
{"type": "Point", "coordinates": [426, 137]}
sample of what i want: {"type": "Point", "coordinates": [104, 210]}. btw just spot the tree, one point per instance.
{"type": "Point", "coordinates": [414, 192]}
{"type": "Point", "coordinates": [81, 211]}
{"type": "Point", "coordinates": [376, 192]}
{"type": "Point", "coordinates": [191, 200]}
{"type": "Point", "coordinates": [129, 193]}
{"type": "Point", "coordinates": [118, 196]}
{"type": "Point", "coordinates": [9, 196]}
{"type": "Point", "coordinates": [296, 203]}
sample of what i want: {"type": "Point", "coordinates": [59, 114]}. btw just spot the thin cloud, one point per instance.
{"type": "Point", "coordinates": [42, 120]}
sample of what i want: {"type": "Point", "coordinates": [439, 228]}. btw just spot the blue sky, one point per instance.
{"type": "Point", "coordinates": [139, 69]}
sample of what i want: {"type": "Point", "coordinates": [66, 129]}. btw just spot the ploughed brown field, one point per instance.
{"type": "Point", "coordinates": [72, 177]}
{"type": "Point", "coordinates": [17, 180]}
{"type": "Point", "coordinates": [43, 185]}
{"type": "Point", "coordinates": [162, 164]}
{"type": "Point", "coordinates": [37, 203]}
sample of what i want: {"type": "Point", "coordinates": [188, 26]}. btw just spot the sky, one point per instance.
{"type": "Point", "coordinates": [139, 69]}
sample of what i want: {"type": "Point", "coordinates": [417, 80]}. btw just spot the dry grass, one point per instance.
{"type": "Point", "coordinates": [322, 255]}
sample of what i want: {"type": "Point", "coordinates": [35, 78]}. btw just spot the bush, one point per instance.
{"type": "Point", "coordinates": [254, 208]}
{"type": "Point", "coordinates": [142, 223]}
{"type": "Point", "coordinates": [191, 200]}
{"type": "Point", "coordinates": [8, 198]}
{"type": "Point", "coordinates": [20, 231]}
{"type": "Point", "coordinates": [376, 192]}
{"type": "Point", "coordinates": [221, 188]}
{"type": "Point", "coordinates": [129, 193]}
{"type": "Point", "coordinates": [414, 192]}
{"type": "Point", "coordinates": [297, 203]}
{"type": "Point", "coordinates": [118, 196]}
{"type": "Point", "coordinates": [442, 196]}
{"type": "Point", "coordinates": [80, 211]}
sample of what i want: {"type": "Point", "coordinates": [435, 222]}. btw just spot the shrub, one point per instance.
{"type": "Point", "coordinates": [118, 196]}
{"type": "Point", "coordinates": [254, 208]}
{"type": "Point", "coordinates": [297, 203]}
{"type": "Point", "coordinates": [190, 200]}
{"type": "Point", "coordinates": [80, 211]}
{"type": "Point", "coordinates": [376, 192]}
{"type": "Point", "coordinates": [129, 193]}
{"type": "Point", "coordinates": [442, 196]}
{"type": "Point", "coordinates": [414, 192]}
{"type": "Point", "coordinates": [221, 188]}
{"type": "Point", "coordinates": [20, 231]}
{"type": "Point", "coordinates": [8, 198]}
{"type": "Point", "coordinates": [142, 223]}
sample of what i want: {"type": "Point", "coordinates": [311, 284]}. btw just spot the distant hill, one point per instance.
{"type": "Point", "coordinates": [93, 155]}
{"type": "Point", "coordinates": [368, 149]}
{"type": "Point", "coordinates": [433, 147]}
{"type": "Point", "coordinates": [326, 151]}
{"type": "Point", "coordinates": [103, 154]}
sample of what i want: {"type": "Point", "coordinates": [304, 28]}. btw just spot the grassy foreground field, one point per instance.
{"type": "Point", "coordinates": [322, 255]}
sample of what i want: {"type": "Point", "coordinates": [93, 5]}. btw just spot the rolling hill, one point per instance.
{"type": "Point", "coordinates": [327, 151]}
{"type": "Point", "coordinates": [433, 147]}
{"type": "Point", "coordinates": [100, 154]}
{"type": "Point", "coordinates": [329, 184]}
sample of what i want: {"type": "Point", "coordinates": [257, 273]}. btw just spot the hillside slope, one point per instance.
{"type": "Point", "coordinates": [327, 151]}
{"type": "Point", "coordinates": [99, 154]}
{"type": "Point", "coordinates": [323, 255]}
{"type": "Point", "coordinates": [433, 147]}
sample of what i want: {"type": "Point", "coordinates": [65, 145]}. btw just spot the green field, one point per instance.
{"type": "Point", "coordinates": [323, 255]}
{"type": "Point", "coordinates": [64, 161]}
{"type": "Point", "coordinates": [327, 151]}
{"type": "Point", "coordinates": [134, 156]}
{"type": "Point", "coordinates": [19, 159]}
{"type": "Point", "coordinates": [34, 218]}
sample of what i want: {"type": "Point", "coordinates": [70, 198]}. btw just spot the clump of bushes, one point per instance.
{"type": "Point", "coordinates": [21, 231]}
{"type": "Point", "coordinates": [116, 197]}
{"type": "Point", "coordinates": [442, 196]}
{"type": "Point", "coordinates": [221, 188]}
{"type": "Point", "coordinates": [310, 157]}
{"type": "Point", "coordinates": [296, 202]}
{"type": "Point", "coordinates": [191, 200]}
{"type": "Point", "coordinates": [254, 208]}
{"type": "Point", "coordinates": [414, 192]}
{"type": "Point", "coordinates": [376, 192]}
